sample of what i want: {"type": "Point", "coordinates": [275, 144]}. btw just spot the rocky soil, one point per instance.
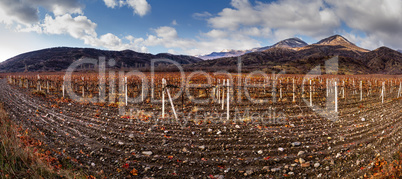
{"type": "Point", "coordinates": [96, 138]}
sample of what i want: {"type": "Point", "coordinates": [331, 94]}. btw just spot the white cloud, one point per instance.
{"type": "Point", "coordinates": [78, 27]}
{"type": "Point", "coordinates": [26, 12]}
{"type": "Point", "coordinates": [111, 3]}
{"type": "Point", "coordinates": [368, 42]}
{"type": "Point", "coordinates": [174, 22]}
{"type": "Point", "coordinates": [140, 7]}
{"type": "Point", "coordinates": [283, 19]}
{"type": "Point", "coordinates": [202, 15]}
{"type": "Point", "coordinates": [380, 21]}
{"type": "Point", "coordinates": [215, 33]}
{"type": "Point", "coordinates": [215, 40]}
{"type": "Point", "coordinates": [171, 51]}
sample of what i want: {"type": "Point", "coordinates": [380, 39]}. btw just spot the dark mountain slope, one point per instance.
{"type": "Point", "coordinates": [58, 59]}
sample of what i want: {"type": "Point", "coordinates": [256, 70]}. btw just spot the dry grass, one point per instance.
{"type": "Point", "coordinates": [385, 169]}
{"type": "Point", "coordinates": [20, 161]}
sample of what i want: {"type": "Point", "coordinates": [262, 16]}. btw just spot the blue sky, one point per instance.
{"type": "Point", "coordinates": [193, 27]}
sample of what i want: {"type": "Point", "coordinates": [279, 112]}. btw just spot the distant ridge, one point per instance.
{"type": "Point", "coordinates": [352, 59]}
{"type": "Point", "coordinates": [287, 43]}
{"type": "Point", "coordinates": [59, 59]}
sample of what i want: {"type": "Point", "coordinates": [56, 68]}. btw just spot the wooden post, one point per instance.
{"type": "Point", "coordinates": [171, 103]}
{"type": "Point", "coordinates": [126, 89]}
{"type": "Point", "coordinates": [343, 89]}
{"type": "Point", "coordinates": [311, 95]}
{"type": "Point", "coordinates": [228, 97]}
{"type": "Point", "coordinates": [361, 90]}
{"type": "Point", "coordinates": [327, 90]}
{"type": "Point", "coordinates": [112, 96]}
{"type": "Point", "coordinates": [336, 97]}
{"type": "Point", "coordinates": [38, 84]}
{"type": "Point", "coordinates": [294, 91]}
{"type": "Point", "coordinates": [142, 90]}
{"type": "Point", "coordinates": [280, 89]}
{"type": "Point", "coordinates": [163, 97]}
{"type": "Point", "coordinates": [383, 92]}
{"type": "Point", "coordinates": [219, 93]}
{"type": "Point", "coordinates": [223, 94]}
{"type": "Point", "coordinates": [64, 78]}
{"type": "Point", "coordinates": [152, 88]}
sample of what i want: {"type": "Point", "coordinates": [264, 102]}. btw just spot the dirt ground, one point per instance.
{"type": "Point", "coordinates": [97, 139]}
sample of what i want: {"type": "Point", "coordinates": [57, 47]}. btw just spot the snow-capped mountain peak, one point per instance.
{"type": "Point", "coordinates": [287, 43]}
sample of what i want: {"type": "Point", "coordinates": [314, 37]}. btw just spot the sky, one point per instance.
{"type": "Point", "coordinates": [193, 27]}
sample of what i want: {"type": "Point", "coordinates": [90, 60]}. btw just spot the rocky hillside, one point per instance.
{"type": "Point", "coordinates": [58, 59]}
{"type": "Point", "coordinates": [287, 43]}
{"type": "Point", "coordinates": [352, 59]}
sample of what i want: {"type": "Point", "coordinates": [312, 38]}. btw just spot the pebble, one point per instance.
{"type": "Point", "coordinates": [93, 164]}
{"type": "Point", "coordinates": [185, 149]}
{"type": "Point", "coordinates": [300, 153]}
{"type": "Point", "coordinates": [327, 168]}
{"type": "Point", "coordinates": [209, 130]}
{"type": "Point", "coordinates": [146, 169]}
{"type": "Point", "coordinates": [338, 155]}
{"type": "Point", "coordinates": [301, 160]}
{"type": "Point", "coordinates": [275, 169]}
{"type": "Point", "coordinates": [121, 143]}
{"type": "Point", "coordinates": [249, 172]}
{"type": "Point", "coordinates": [363, 119]}
{"type": "Point", "coordinates": [342, 138]}
{"type": "Point", "coordinates": [219, 132]}
{"type": "Point", "coordinates": [147, 152]}
{"type": "Point", "coordinates": [295, 144]}
{"type": "Point", "coordinates": [304, 165]}
{"type": "Point", "coordinates": [291, 173]}
{"type": "Point", "coordinates": [316, 165]}
{"type": "Point", "coordinates": [319, 175]}
{"type": "Point", "coordinates": [281, 149]}
{"type": "Point", "coordinates": [131, 136]}
{"type": "Point", "coordinates": [219, 176]}
{"type": "Point", "coordinates": [202, 147]}
{"type": "Point", "coordinates": [259, 152]}
{"type": "Point", "coordinates": [237, 126]}
{"type": "Point", "coordinates": [293, 164]}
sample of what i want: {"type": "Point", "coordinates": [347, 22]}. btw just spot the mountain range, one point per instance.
{"type": "Point", "coordinates": [290, 55]}
{"type": "Point", "coordinates": [300, 60]}
{"type": "Point", "coordinates": [287, 43]}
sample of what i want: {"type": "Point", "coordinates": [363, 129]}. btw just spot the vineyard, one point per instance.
{"type": "Point", "coordinates": [211, 125]}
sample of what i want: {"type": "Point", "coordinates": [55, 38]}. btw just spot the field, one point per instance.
{"type": "Point", "coordinates": [274, 126]}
